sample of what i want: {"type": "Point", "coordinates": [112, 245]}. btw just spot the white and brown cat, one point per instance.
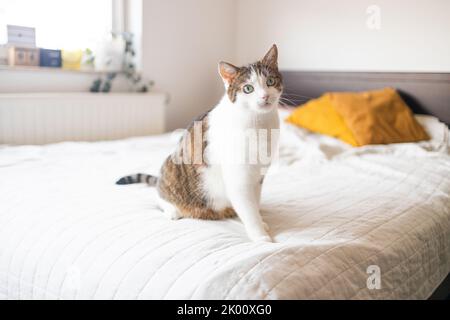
{"type": "Point", "coordinates": [216, 186]}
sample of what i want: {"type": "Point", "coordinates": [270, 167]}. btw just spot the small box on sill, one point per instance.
{"type": "Point", "coordinates": [50, 58]}
{"type": "Point", "coordinates": [21, 56]}
{"type": "Point", "coordinates": [21, 36]}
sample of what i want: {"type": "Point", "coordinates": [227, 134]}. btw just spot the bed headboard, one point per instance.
{"type": "Point", "coordinates": [425, 93]}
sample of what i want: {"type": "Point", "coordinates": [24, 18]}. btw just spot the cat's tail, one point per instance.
{"type": "Point", "coordinates": [138, 178]}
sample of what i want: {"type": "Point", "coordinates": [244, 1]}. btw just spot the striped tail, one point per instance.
{"type": "Point", "coordinates": [138, 178]}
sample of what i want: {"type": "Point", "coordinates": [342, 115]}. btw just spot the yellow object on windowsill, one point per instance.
{"type": "Point", "coordinates": [71, 59]}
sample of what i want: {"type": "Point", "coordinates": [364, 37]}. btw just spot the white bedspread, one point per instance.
{"type": "Point", "coordinates": [67, 231]}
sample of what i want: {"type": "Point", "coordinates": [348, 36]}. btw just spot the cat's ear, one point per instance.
{"type": "Point", "coordinates": [271, 57]}
{"type": "Point", "coordinates": [227, 71]}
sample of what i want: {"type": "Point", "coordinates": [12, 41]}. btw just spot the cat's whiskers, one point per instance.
{"type": "Point", "coordinates": [291, 101]}
{"type": "Point", "coordinates": [297, 95]}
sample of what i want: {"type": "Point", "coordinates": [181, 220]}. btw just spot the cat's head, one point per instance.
{"type": "Point", "coordinates": [257, 86]}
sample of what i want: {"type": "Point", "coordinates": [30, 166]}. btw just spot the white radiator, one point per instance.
{"type": "Point", "coordinates": [39, 118]}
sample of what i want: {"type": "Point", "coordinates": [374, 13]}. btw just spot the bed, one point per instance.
{"type": "Point", "coordinates": [348, 223]}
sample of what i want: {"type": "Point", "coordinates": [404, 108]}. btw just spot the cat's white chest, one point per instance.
{"type": "Point", "coordinates": [241, 137]}
{"type": "Point", "coordinates": [229, 134]}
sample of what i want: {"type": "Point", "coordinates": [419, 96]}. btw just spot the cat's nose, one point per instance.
{"type": "Point", "coordinates": [264, 101]}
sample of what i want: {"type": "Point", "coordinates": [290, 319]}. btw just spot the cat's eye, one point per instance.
{"type": "Point", "coordinates": [248, 88]}
{"type": "Point", "coordinates": [270, 82]}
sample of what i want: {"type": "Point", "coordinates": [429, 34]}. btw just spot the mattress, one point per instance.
{"type": "Point", "coordinates": [348, 223]}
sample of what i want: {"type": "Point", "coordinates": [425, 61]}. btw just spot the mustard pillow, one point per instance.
{"type": "Point", "coordinates": [377, 117]}
{"type": "Point", "coordinates": [319, 116]}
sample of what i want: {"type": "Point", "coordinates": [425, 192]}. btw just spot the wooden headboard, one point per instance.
{"type": "Point", "coordinates": [425, 93]}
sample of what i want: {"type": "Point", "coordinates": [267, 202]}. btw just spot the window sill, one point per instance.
{"type": "Point", "coordinates": [53, 70]}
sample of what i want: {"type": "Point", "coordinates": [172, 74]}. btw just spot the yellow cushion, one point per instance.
{"type": "Point", "coordinates": [319, 116]}
{"type": "Point", "coordinates": [378, 117]}
{"type": "Point", "coordinates": [372, 117]}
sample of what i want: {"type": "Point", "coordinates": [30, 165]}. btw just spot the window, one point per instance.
{"type": "Point", "coordinates": [60, 24]}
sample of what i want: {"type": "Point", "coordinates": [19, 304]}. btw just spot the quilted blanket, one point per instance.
{"type": "Point", "coordinates": [348, 223]}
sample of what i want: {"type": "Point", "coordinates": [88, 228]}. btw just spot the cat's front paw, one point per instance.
{"type": "Point", "coordinates": [263, 239]}
{"type": "Point", "coordinates": [259, 236]}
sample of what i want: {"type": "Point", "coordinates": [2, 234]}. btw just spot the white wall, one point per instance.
{"type": "Point", "coordinates": [182, 43]}
{"type": "Point", "coordinates": [333, 35]}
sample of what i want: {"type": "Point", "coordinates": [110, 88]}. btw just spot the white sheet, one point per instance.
{"type": "Point", "coordinates": [66, 231]}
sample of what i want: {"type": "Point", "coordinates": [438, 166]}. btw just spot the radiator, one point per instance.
{"type": "Point", "coordinates": [46, 118]}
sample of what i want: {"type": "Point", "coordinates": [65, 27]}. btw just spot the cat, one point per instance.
{"type": "Point", "coordinates": [202, 178]}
